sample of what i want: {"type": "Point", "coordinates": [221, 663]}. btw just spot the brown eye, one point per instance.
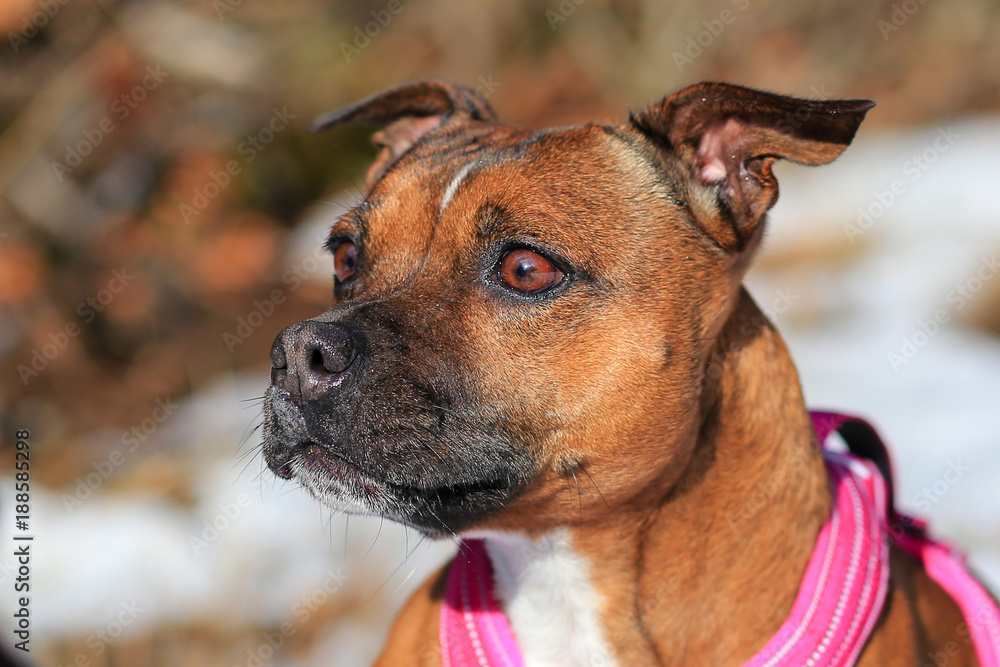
{"type": "Point", "coordinates": [345, 261]}
{"type": "Point", "coordinates": [527, 271]}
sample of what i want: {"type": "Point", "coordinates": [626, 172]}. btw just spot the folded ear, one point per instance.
{"type": "Point", "coordinates": [406, 113]}
{"type": "Point", "coordinates": [728, 137]}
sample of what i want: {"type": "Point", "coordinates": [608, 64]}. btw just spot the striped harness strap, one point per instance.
{"type": "Point", "coordinates": [842, 592]}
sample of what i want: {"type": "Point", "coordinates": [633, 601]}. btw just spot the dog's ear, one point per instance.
{"type": "Point", "coordinates": [728, 137]}
{"type": "Point", "coordinates": [405, 114]}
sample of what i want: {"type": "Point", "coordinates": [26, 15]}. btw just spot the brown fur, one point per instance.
{"type": "Point", "coordinates": [656, 398]}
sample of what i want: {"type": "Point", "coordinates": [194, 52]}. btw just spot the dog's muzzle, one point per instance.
{"type": "Point", "coordinates": [310, 361]}
{"type": "Point", "coordinates": [365, 429]}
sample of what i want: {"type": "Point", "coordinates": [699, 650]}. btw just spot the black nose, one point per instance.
{"type": "Point", "coordinates": [309, 359]}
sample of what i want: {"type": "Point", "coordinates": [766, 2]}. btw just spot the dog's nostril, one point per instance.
{"type": "Point", "coordinates": [316, 364]}
{"type": "Point", "coordinates": [329, 355]}
{"type": "Point", "coordinates": [309, 358]}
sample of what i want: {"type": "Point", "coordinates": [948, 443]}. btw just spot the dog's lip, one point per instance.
{"type": "Point", "coordinates": [336, 465]}
{"type": "Point", "coordinates": [339, 467]}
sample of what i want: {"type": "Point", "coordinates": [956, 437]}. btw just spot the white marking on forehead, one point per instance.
{"type": "Point", "coordinates": [452, 188]}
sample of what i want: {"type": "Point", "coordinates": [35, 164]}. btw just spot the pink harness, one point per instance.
{"type": "Point", "coordinates": [842, 592]}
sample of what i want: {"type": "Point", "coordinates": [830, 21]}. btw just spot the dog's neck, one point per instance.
{"type": "Point", "coordinates": [708, 573]}
{"type": "Point", "coordinates": [546, 589]}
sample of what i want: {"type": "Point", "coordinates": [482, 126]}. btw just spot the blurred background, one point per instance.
{"type": "Point", "coordinates": [162, 212]}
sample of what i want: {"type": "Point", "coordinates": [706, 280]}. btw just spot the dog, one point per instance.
{"type": "Point", "coordinates": [540, 344]}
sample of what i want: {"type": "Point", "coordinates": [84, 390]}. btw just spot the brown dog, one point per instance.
{"type": "Point", "coordinates": [541, 338]}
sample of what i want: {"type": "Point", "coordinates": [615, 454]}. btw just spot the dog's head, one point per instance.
{"type": "Point", "coordinates": [520, 313]}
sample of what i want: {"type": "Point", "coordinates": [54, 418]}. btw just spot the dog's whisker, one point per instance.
{"type": "Point", "coordinates": [406, 544]}
{"type": "Point", "coordinates": [397, 569]}
{"type": "Point", "coordinates": [251, 430]}
{"type": "Point", "coordinates": [434, 406]}
{"type": "Point", "coordinates": [428, 445]}
{"type": "Point", "coordinates": [329, 527]}
{"type": "Point", "coordinates": [438, 435]}
{"type": "Point", "coordinates": [246, 458]}
{"type": "Point", "coordinates": [452, 535]}
{"type": "Point", "coordinates": [381, 521]}
{"type": "Point", "coordinates": [579, 494]}
{"type": "Point", "coordinates": [597, 488]}
{"type": "Point", "coordinates": [287, 491]}
{"type": "Point", "coordinates": [260, 487]}
{"type": "Point", "coordinates": [250, 453]}
{"type": "Point", "coordinates": [333, 203]}
{"type": "Point", "coordinates": [252, 399]}
{"type": "Point", "coordinates": [249, 458]}
{"type": "Point", "coordinates": [405, 579]}
{"type": "Point", "coordinates": [347, 524]}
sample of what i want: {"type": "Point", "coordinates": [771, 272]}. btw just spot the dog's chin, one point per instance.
{"type": "Point", "coordinates": [437, 511]}
{"type": "Point", "coordinates": [339, 484]}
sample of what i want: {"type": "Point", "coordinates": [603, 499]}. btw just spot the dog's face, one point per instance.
{"type": "Point", "coordinates": [522, 318]}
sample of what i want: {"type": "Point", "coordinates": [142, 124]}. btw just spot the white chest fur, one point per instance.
{"type": "Point", "coordinates": [546, 590]}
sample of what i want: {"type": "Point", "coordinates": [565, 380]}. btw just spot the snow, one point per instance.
{"type": "Point", "coordinates": [267, 552]}
{"type": "Point", "coordinates": [940, 406]}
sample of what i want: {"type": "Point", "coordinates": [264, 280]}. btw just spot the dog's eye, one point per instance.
{"type": "Point", "coordinates": [345, 261]}
{"type": "Point", "coordinates": [527, 271]}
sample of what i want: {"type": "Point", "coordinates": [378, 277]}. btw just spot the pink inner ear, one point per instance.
{"type": "Point", "coordinates": [717, 152]}
{"type": "Point", "coordinates": [405, 132]}
{"type": "Point", "coordinates": [395, 139]}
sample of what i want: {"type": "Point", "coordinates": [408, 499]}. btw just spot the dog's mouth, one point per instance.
{"type": "Point", "coordinates": [439, 477]}
{"type": "Point", "coordinates": [431, 507]}
{"type": "Point", "coordinates": [337, 466]}
{"type": "Point", "coordinates": [314, 457]}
